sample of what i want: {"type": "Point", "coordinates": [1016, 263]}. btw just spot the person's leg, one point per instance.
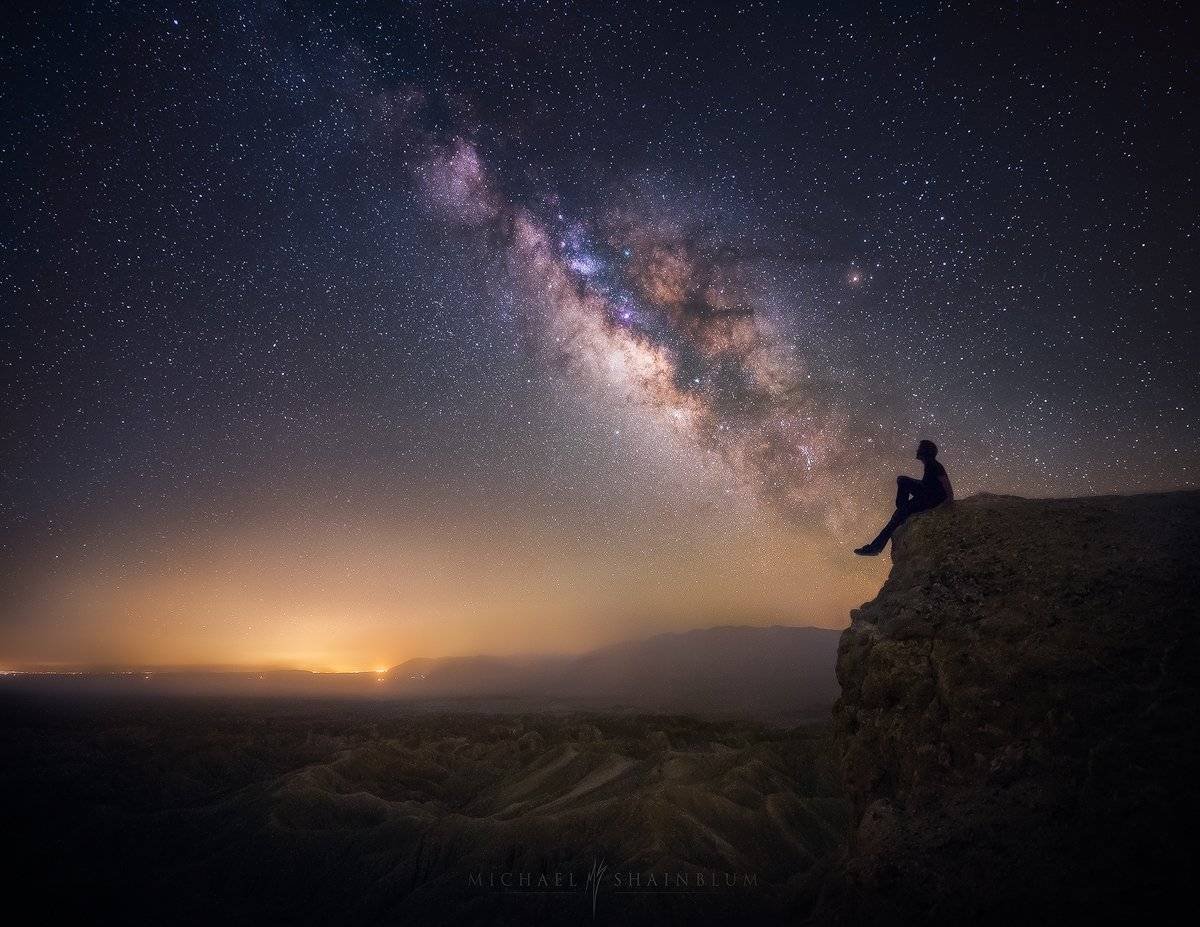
{"type": "Point", "coordinates": [906, 486]}
{"type": "Point", "coordinates": [898, 518]}
{"type": "Point", "coordinates": [910, 499]}
{"type": "Point", "coordinates": [902, 512]}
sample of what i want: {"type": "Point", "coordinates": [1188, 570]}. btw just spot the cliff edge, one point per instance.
{"type": "Point", "coordinates": [1019, 710]}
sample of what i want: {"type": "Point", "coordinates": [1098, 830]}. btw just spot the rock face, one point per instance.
{"type": "Point", "coordinates": [1019, 710]}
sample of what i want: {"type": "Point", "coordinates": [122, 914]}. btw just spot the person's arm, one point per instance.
{"type": "Point", "coordinates": [945, 481]}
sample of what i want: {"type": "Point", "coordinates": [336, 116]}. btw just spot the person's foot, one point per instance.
{"type": "Point", "coordinates": [868, 550]}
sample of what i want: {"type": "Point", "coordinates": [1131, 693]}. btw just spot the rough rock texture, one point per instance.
{"type": "Point", "coordinates": [1017, 725]}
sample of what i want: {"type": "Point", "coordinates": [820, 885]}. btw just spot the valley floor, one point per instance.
{"type": "Point", "coordinates": [266, 811]}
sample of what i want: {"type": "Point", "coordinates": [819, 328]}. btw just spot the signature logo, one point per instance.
{"type": "Point", "coordinates": [595, 875]}
{"type": "Point", "coordinates": [623, 881]}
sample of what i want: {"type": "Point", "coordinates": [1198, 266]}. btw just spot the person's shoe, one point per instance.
{"type": "Point", "coordinates": [868, 550]}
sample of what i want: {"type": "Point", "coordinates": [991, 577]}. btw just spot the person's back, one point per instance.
{"type": "Point", "coordinates": [935, 481]}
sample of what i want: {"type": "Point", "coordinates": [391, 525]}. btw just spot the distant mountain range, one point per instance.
{"type": "Point", "coordinates": [729, 668]}
{"type": "Point", "coordinates": [733, 667]}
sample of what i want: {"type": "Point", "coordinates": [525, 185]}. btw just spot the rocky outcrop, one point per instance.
{"type": "Point", "coordinates": [1018, 716]}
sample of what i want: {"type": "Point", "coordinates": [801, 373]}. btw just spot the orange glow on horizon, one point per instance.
{"type": "Point", "coordinates": [332, 599]}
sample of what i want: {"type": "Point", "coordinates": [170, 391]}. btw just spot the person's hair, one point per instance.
{"type": "Point", "coordinates": [927, 446]}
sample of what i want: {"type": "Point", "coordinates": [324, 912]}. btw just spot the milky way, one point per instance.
{"type": "Point", "coordinates": [666, 317]}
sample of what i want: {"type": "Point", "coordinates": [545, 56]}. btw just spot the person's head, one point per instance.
{"type": "Point", "coordinates": [926, 450]}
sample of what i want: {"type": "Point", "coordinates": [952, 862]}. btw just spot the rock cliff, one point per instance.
{"type": "Point", "coordinates": [1018, 717]}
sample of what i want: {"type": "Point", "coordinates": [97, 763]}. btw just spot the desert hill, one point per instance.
{"type": "Point", "coordinates": [734, 667]}
{"type": "Point", "coordinates": [232, 811]}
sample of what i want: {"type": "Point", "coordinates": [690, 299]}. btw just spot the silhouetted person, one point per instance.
{"type": "Point", "coordinates": [933, 488]}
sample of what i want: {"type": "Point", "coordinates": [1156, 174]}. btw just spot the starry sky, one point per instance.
{"type": "Point", "coordinates": [341, 333]}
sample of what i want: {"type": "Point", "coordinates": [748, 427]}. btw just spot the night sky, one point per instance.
{"type": "Point", "coordinates": [338, 334]}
